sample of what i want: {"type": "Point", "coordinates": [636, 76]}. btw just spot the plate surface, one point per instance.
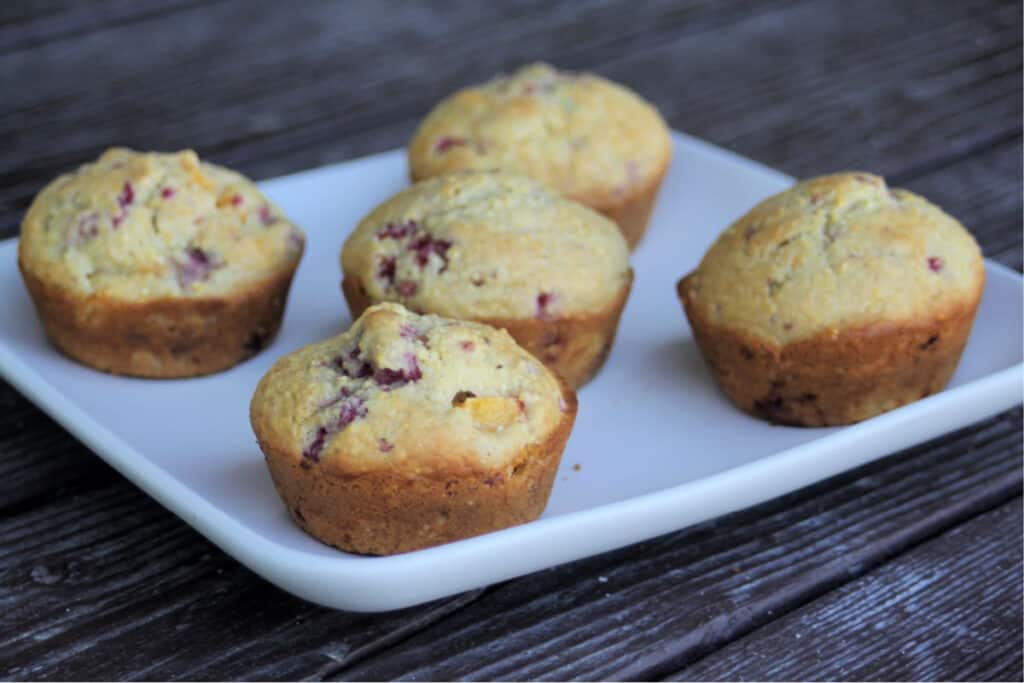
{"type": "Point", "coordinates": [658, 447]}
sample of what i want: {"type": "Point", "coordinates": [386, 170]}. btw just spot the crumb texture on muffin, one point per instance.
{"type": "Point", "coordinates": [488, 245]}
{"type": "Point", "coordinates": [148, 226]}
{"type": "Point", "coordinates": [416, 396]}
{"type": "Point", "coordinates": [582, 135]}
{"type": "Point", "coordinates": [838, 251]}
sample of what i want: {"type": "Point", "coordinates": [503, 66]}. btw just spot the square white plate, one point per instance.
{"type": "Point", "coordinates": [658, 447]}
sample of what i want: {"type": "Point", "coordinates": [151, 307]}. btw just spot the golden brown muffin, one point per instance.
{"type": "Point", "coordinates": [157, 265]}
{"type": "Point", "coordinates": [500, 249]}
{"type": "Point", "coordinates": [409, 431]}
{"type": "Point", "coordinates": [587, 138]}
{"type": "Point", "coordinates": [835, 301]}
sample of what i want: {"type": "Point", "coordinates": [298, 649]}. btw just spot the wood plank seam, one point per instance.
{"type": "Point", "coordinates": [100, 27]}
{"type": "Point", "coordinates": [719, 632]}
{"type": "Point", "coordinates": [969, 441]}
{"type": "Point", "coordinates": [403, 633]}
{"type": "Point", "coordinates": [560, 645]}
{"type": "Point", "coordinates": [942, 162]}
{"type": "Point", "coordinates": [884, 617]}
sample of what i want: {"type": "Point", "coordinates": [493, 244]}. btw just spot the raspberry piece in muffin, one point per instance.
{"type": "Point", "coordinates": [585, 137]}
{"type": "Point", "coordinates": [500, 249]}
{"type": "Point", "coordinates": [390, 437]}
{"type": "Point", "coordinates": [835, 301]}
{"type": "Point", "coordinates": [153, 265]}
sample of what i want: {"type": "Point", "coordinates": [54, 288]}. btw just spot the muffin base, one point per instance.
{"type": "Point", "coordinates": [574, 347]}
{"type": "Point", "coordinates": [838, 378]}
{"type": "Point", "coordinates": [384, 512]}
{"type": "Point", "coordinates": [633, 213]}
{"type": "Point", "coordinates": [163, 338]}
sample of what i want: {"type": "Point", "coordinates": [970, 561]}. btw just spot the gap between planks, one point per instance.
{"type": "Point", "coordinates": [926, 615]}
{"type": "Point", "coordinates": [858, 520]}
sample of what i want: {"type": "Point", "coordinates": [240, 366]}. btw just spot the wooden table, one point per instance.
{"type": "Point", "coordinates": [906, 568]}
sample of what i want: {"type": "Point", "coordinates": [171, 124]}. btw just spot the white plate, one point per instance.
{"type": "Point", "coordinates": [658, 447]}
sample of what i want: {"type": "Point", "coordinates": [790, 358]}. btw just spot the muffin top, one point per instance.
{"type": "Point", "coordinates": [582, 135]}
{"type": "Point", "coordinates": [143, 226]}
{"type": "Point", "coordinates": [489, 245]}
{"type": "Point", "coordinates": [836, 251]}
{"type": "Point", "coordinates": [419, 394]}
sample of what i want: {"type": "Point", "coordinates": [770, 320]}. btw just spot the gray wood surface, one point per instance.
{"type": "Point", "coordinates": [907, 568]}
{"type": "Point", "coordinates": [903, 624]}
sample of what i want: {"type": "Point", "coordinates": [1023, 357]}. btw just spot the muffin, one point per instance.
{"type": "Point", "coordinates": [157, 265]}
{"type": "Point", "coordinates": [835, 301]}
{"type": "Point", "coordinates": [500, 249]}
{"type": "Point", "coordinates": [587, 138]}
{"type": "Point", "coordinates": [408, 431]}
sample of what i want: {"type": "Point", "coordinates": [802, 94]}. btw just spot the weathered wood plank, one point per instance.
{"type": "Point", "coordinates": [727, 75]}
{"type": "Point", "coordinates": [25, 25]}
{"type": "Point", "coordinates": [851, 87]}
{"type": "Point", "coordinates": [95, 587]}
{"type": "Point", "coordinates": [942, 611]}
{"type": "Point", "coordinates": [192, 81]}
{"type": "Point", "coordinates": [22, 11]}
{"type": "Point", "coordinates": [39, 461]}
{"type": "Point", "coordinates": [90, 585]}
{"type": "Point", "coordinates": [983, 191]}
{"type": "Point", "coordinates": [643, 611]}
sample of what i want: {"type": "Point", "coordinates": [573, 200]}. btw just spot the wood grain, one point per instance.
{"type": "Point", "coordinates": [640, 613]}
{"type": "Point", "coordinates": [27, 25]}
{"type": "Point", "coordinates": [97, 581]}
{"type": "Point", "coordinates": [904, 102]}
{"type": "Point", "coordinates": [39, 461]}
{"type": "Point", "coordinates": [240, 103]}
{"type": "Point", "coordinates": [897, 619]}
{"type": "Point", "coordinates": [974, 189]}
{"type": "Point", "coordinates": [96, 586]}
{"type": "Point", "coordinates": [92, 582]}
